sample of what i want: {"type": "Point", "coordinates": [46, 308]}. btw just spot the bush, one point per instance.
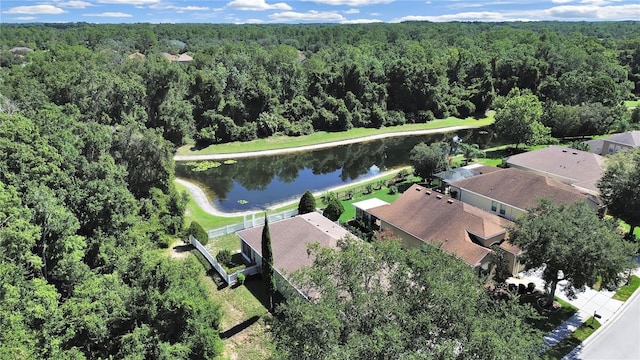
{"type": "Point", "coordinates": [224, 256]}
{"type": "Point", "coordinates": [333, 210]}
{"type": "Point", "coordinates": [393, 190]}
{"type": "Point", "coordinates": [241, 278]}
{"type": "Point", "coordinates": [198, 232]}
{"type": "Point", "coordinates": [307, 203]}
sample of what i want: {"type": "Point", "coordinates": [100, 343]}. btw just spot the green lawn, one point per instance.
{"type": "Point", "coordinates": [572, 341]}
{"type": "Point", "coordinates": [626, 291]}
{"type": "Point", "coordinates": [283, 142]}
{"type": "Point", "coordinates": [243, 309]}
{"type": "Point", "coordinates": [632, 103]}
{"type": "Point", "coordinates": [194, 212]}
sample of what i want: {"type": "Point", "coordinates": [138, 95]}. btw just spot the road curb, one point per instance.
{"type": "Point", "coordinates": [596, 334]}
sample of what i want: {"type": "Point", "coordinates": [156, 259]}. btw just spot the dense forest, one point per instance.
{"type": "Point", "coordinates": [87, 135]}
{"type": "Point", "coordinates": [253, 81]}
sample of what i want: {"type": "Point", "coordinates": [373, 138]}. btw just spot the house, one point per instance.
{"type": "Point", "coordinates": [615, 143]}
{"type": "Point", "coordinates": [421, 216]}
{"type": "Point", "coordinates": [182, 58]}
{"type": "Point", "coordinates": [362, 214]}
{"type": "Point", "coordinates": [444, 178]}
{"type": "Point", "coordinates": [580, 169]}
{"type": "Point", "coordinates": [289, 241]}
{"type": "Point", "coordinates": [510, 192]}
{"type": "Point", "coordinates": [136, 55]}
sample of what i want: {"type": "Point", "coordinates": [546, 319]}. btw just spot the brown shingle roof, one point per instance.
{"type": "Point", "coordinates": [519, 188]}
{"type": "Point", "coordinates": [442, 222]}
{"type": "Point", "coordinates": [574, 165]}
{"type": "Point", "coordinates": [289, 239]}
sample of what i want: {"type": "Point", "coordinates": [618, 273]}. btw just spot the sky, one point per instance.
{"type": "Point", "coordinates": [312, 11]}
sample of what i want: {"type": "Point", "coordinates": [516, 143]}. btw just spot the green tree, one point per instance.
{"type": "Point", "coordinates": [196, 230]}
{"type": "Point", "coordinates": [267, 264]}
{"type": "Point", "coordinates": [376, 301]}
{"type": "Point", "coordinates": [429, 159]}
{"type": "Point", "coordinates": [334, 208]}
{"type": "Point", "coordinates": [572, 244]}
{"type": "Point", "coordinates": [620, 185]}
{"type": "Point", "coordinates": [519, 120]}
{"type": "Point", "coordinates": [307, 203]}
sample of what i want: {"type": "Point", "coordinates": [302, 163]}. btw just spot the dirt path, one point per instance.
{"type": "Point", "coordinates": [317, 146]}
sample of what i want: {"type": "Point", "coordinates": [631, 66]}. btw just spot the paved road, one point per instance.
{"type": "Point", "coordinates": [618, 339]}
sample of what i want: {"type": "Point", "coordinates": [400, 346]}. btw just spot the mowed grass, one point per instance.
{"type": "Point", "coordinates": [193, 212]}
{"type": "Point", "coordinates": [632, 103]}
{"type": "Point", "coordinates": [572, 341]}
{"type": "Point", "coordinates": [625, 292]}
{"type": "Point", "coordinates": [244, 324]}
{"type": "Point", "coordinates": [320, 137]}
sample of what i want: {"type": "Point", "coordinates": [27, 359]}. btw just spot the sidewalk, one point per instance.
{"type": "Point", "coordinates": [588, 303]}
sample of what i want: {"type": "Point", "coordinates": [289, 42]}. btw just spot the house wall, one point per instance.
{"type": "Point", "coordinates": [484, 203]}
{"type": "Point", "coordinates": [610, 148]}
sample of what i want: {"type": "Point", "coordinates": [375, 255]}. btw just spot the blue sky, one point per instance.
{"type": "Point", "coordinates": [312, 11]}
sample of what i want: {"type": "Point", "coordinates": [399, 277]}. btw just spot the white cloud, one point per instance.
{"type": "Point", "coordinates": [351, 11]}
{"type": "Point", "coordinates": [74, 4]}
{"type": "Point", "coordinates": [312, 15]}
{"type": "Point", "coordinates": [256, 5]}
{"type": "Point", "coordinates": [461, 5]}
{"type": "Point", "coordinates": [25, 18]}
{"type": "Point", "coordinates": [110, 14]}
{"type": "Point", "coordinates": [129, 2]}
{"type": "Point", "coordinates": [360, 21]}
{"type": "Point", "coordinates": [178, 8]}
{"type": "Point", "coordinates": [254, 21]}
{"type": "Point", "coordinates": [351, 2]}
{"type": "Point", "coordinates": [561, 1]}
{"type": "Point", "coordinates": [35, 10]}
{"type": "Point", "coordinates": [562, 12]}
{"type": "Point", "coordinates": [612, 12]}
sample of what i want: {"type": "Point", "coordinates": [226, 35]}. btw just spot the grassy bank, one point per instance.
{"type": "Point", "coordinates": [625, 292]}
{"type": "Point", "coordinates": [572, 341]}
{"type": "Point", "coordinates": [283, 142]}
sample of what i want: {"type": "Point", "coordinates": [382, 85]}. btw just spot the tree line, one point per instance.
{"type": "Point", "coordinates": [255, 81]}
{"type": "Point", "coordinates": [85, 213]}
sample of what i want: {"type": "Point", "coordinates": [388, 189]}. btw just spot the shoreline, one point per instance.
{"type": "Point", "coordinates": [319, 146]}
{"type": "Point", "coordinates": [204, 203]}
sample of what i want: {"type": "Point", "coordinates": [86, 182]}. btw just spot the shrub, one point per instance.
{"type": "Point", "coordinates": [333, 210]}
{"type": "Point", "coordinates": [531, 287]}
{"type": "Point", "coordinates": [307, 203]}
{"type": "Point", "coordinates": [224, 256]}
{"type": "Point", "coordinates": [522, 289]}
{"type": "Point", "coordinates": [198, 232]}
{"type": "Point", "coordinates": [241, 278]}
{"type": "Point", "coordinates": [393, 189]}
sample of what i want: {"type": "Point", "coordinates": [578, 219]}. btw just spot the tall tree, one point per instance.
{"type": "Point", "coordinates": [267, 263]}
{"type": "Point", "coordinates": [572, 244]}
{"type": "Point", "coordinates": [334, 208]}
{"type": "Point", "coordinates": [377, 300]}
{"type": "Point", "coordinates": [307, 203]}
{"type": "Point", "coordinates": [620, 187]}
{"type": "Point", "coordinates": [519, 120]}
{"type": "Point", "coordinates": [429, 159]}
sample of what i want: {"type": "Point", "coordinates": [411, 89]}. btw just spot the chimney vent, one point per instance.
{"type": "Point", "coordinates": [450, 201]}
{"type": "Point", "coordinates": [438, 197]}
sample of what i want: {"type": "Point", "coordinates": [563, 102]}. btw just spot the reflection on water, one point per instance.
{"type": "Point", "coordinates": [257, 183]}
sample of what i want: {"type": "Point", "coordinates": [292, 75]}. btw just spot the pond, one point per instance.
{"type": "Point", "coordinates": [258, 183]}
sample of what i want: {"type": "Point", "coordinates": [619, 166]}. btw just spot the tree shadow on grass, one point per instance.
{"type": "Point", "coordinates": [239, 328]}
{"type": "Point", "coordinates": [256, 287]}
{"type": "Point", "coordinates": [183, 248]}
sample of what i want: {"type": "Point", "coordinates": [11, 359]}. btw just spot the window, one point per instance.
{"type": "Point", "coordinates": [503, 209]}
{"type": "Point", "coordinates": [494, 206]}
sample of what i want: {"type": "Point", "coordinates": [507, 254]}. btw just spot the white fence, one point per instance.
{"type": "Point", "coordinates": [228, 278]}
{"type": "Point", "coordinates": [250, 221]}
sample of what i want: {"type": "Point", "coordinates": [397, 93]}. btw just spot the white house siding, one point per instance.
{"type": "Point", "coordinates": [484, 203]}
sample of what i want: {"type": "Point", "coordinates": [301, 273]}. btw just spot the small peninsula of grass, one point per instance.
{"type": "Point", "coordinates": [625, 292]}
{"type": "Point", "coordinates": [572, 341]}
{"type": "Point", "coordinates": [321, 137]}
